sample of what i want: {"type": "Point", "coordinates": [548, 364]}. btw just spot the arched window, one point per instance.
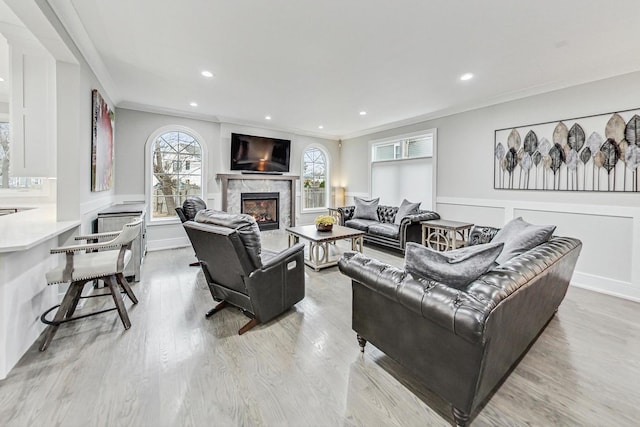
{"type": "Point", "coordinates": [315, 179]}
{"type": "Point", "coordinates": [176, 170]}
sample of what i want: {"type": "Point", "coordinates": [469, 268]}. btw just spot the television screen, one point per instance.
{"type": "Point", "coordinates": [259, 154]}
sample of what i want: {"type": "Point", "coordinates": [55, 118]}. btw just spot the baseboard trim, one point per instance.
{"type": "Point", "coordinates": [174, 243]}
{"type": "Point", "coordinates": [606, 286]}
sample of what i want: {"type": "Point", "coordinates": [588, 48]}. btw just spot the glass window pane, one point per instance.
{"type": "Point", "coordinates": [177, 164]}
{"type": "Point", "coordinates": [315, 176]}
{"type": "Point", "coordinates": [422, 147]}
{"type": "Point", "coordinates": [384, 152]}
{"type": "Point", "coordinates": [6, 180]}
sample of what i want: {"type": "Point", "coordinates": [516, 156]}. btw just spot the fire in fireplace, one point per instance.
{"type": "Point", "coordinates": [264, 207]}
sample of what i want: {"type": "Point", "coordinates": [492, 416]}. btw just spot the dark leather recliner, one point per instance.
{"type": "Point", "coordinates": [460, 343]}
{"type": "Point", "coordinates": [239, 272]}
{"type": "Point", "coordinates": [190, 208]}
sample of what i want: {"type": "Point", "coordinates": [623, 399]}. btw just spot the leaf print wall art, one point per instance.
{"type": "Point", "coordinates": [595, 153]}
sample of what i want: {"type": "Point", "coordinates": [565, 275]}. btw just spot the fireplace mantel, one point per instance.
{"type": "Point", "coordinates": [291, 179]}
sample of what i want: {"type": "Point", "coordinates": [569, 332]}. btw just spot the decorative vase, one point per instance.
{"type": "Point", "coordinates": [324, 227]}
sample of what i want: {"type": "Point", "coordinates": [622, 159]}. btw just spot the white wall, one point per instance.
{"type": "Point", "coordinates": [133, 129]}
{"type": "Point", "coordinates": [608, 224]}
{"type": "Point", "coordinates": [75, 83]}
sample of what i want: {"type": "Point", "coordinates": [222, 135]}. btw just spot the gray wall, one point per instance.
{"type": "Point", "coordinates": [608, 224]}
{"type": "Point", "coordinates": [133, 129]}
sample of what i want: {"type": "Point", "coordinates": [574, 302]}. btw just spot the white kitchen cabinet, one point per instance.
{"type": "Point", "coordinates": [32, 112]}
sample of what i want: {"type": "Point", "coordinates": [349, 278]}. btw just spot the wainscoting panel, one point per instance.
{"type": "Point", "coordinates": [610, 236]}
{"type": "Point", "coordinates": [482, 215]}
{"type": "Point", "coordinates": [606, 240]}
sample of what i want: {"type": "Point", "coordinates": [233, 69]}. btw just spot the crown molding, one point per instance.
{"type": "Point", "coordinates": [66, 13]}
{"type": "Point", "coordinates": [488, 102]}
{"type": "Point", "coordinates": [128, 105]}
{"type": "Point", "coordinates": [287, 129]}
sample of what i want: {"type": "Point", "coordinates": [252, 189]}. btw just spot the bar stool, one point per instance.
{"type": "Point", "coordinates": [106, 262]}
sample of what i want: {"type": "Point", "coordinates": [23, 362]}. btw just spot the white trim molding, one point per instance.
{"type": "Point", "coordinates": [592, 281]}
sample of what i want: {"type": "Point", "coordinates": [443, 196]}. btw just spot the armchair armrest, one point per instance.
{"type": "Point", "coordinates": [279, 284]}
{"type": "Point", "coordinates": [420, 216]}
{"type": "Point", "coordinates": [283, 256]}
{"type": "Point", "coordinates": [98, 236]}
{"type": "Point", "coordinates": [481, 234]}
{"type": "Point", "coordinates": [346, 213]}
{"type": "Point", "coordinates": [87, 247]}
{"type": "Point", "coordinates": [410, 229]}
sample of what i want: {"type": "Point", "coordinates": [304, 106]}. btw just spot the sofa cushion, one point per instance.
{"type": "Point", "coordinates": [245, 225]}
{"type": "Point", "coordinates": [519, 236]}
{"type": "Point", "coordinates": [406, 208]}
{"type": "Point", "coordinates": [366, 209]}
{"type": "Point", "coordinates": [385, 229]}
{"type": "Point", "coordinates": [456, 268]}
{"type": "Point", "coordinates": [360, 224]}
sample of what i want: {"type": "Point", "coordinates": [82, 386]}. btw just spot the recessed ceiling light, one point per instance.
{"type": "Point", "coordinates": [193, 104]}
{"type": "Point", "coordinates": [1, 79]}
{"type": "Point", "coordinates": [207, 73]}
{"type": "Point", "coordinates": [466, 76]}
{"type": "Point", "coordinates": [320, 127]}
{"type": "Point", "coordinates": [267, 117]}
{"type": "Point", "coordinates": [363, 113]}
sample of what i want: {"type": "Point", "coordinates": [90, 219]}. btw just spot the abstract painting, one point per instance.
{"type": "Point", "coordinates": [594, 153]}
{"type": "Point", "coordinates": [101, 144]}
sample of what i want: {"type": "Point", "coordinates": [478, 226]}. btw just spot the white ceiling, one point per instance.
{"type": "Point", "coordinates": [309, 63]}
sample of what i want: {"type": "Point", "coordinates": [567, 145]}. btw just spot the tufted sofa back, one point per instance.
{"type": "Point", "coordinates": [387, 213]}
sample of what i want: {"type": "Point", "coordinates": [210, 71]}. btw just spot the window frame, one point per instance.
{"type": "Point", "coordinates": [327, 180]}
{"type": "Point", "coordinates": [148, 174]}
{"type": "Point", "coordinates": [44, 192]}
{"type": "Point", "coordinates": [433, 132]}
{"type": "Point", "coordinates": [402, 141]}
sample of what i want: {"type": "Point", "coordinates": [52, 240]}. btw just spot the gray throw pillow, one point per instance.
{"type": "Point", "coordinates": [366, 209]}
{"type": "Point", "coordinates": [519, 236]}
{"type": "Point", "coordinates": [456, 268]}
{"type": "Point", "coordinates": [406, 208]}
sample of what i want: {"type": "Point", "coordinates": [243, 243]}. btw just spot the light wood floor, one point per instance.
{"type": "Point", "coordinates": [176, 368]}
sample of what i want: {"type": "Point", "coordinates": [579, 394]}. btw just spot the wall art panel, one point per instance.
{"type": "Point", "coordinates": [101, 144]}
{"type": "Point", "coordinates": [594, 153]}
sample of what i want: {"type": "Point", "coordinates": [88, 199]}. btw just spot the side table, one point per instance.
{"type": "Point", "coordinates": [443, 235]}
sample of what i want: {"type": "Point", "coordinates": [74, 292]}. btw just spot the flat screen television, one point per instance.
{"type": "Point", "coordinates": [259, 154]}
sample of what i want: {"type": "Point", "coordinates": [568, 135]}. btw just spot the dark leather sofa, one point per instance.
{"type": "Point", "coordinates": [383, 231]}
{"type": "Point", "coordinates": [460, 343]}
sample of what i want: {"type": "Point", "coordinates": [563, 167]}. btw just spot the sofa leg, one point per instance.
{"type": "Point", "coordinates": [460, 417]}
{"type": "Point", "coordinates": [249, 325]}
{"type": "Point", "coordinates": [216, 309]}
{"type": "Point", "coordinates": [361, 342]}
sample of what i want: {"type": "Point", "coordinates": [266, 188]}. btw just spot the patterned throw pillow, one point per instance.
{"type": "Point", "coordinates": [406, 208]}
{"type": "Point", "coordinates": [456, 268]}
{"type": "Point", "coordinates": [366, 209]}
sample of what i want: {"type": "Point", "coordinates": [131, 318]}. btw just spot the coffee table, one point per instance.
{"type": "Point", "coordinates": [319, 250]}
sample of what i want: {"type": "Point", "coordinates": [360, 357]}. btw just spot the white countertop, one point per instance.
{"type": "Point", "coordinates": [25, 229]}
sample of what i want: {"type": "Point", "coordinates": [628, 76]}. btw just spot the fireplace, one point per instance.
{"type": "Point", "coordinates": [264, 207]}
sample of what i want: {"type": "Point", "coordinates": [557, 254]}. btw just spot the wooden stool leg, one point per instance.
{"type": "Point", "coordinates": [77, 293]}
{"type": "Point", "coordinates": [127, 289]}
{"type": "Point", "coordinates": [111, 281]}
{"type": "Point", "coordinates": [65, 306]}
